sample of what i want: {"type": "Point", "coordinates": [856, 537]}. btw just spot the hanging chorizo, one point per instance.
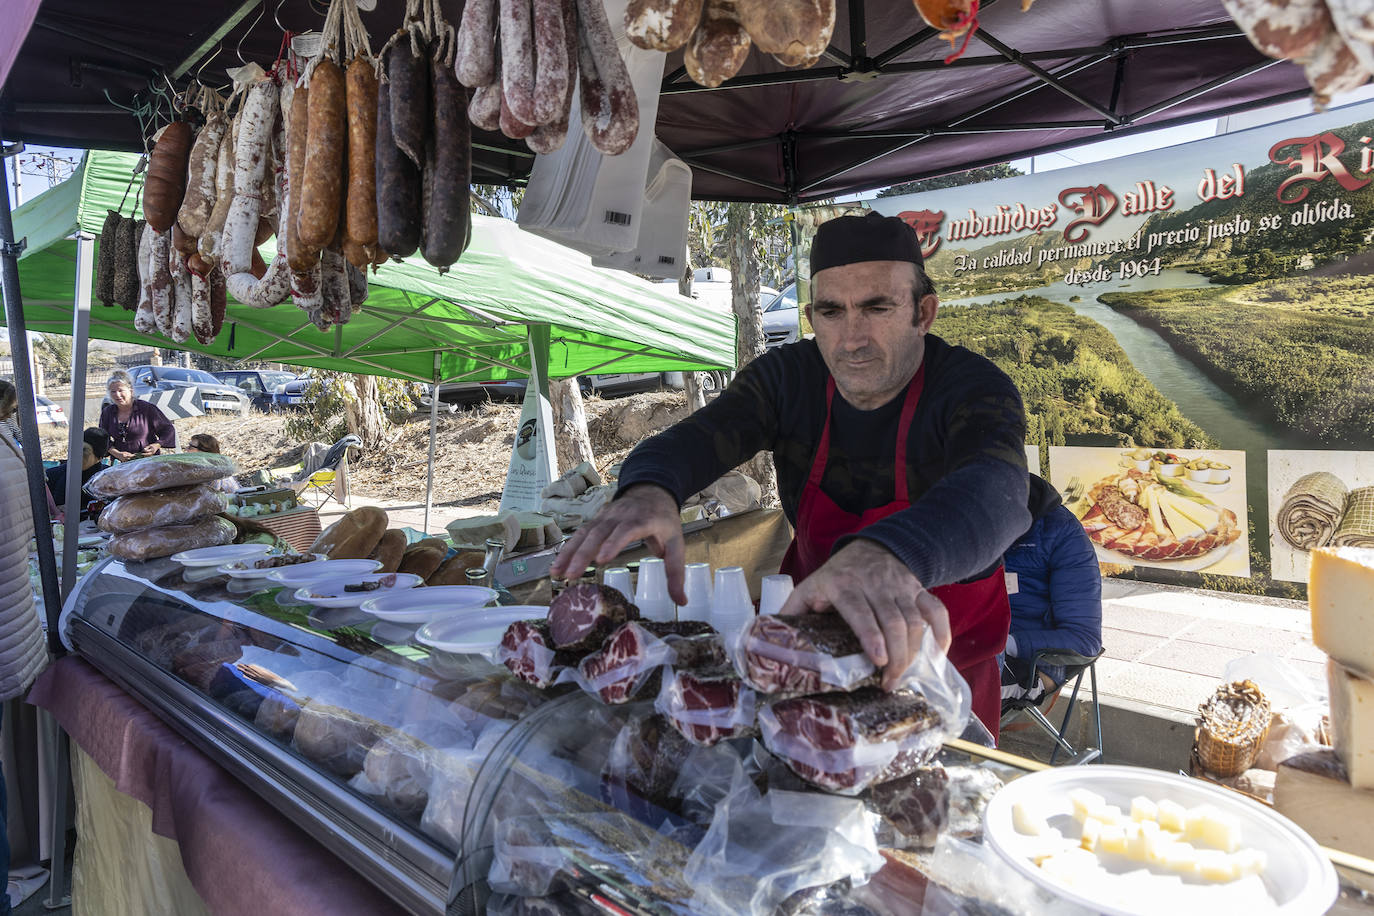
{"type": "Point", "coordinates": [165, 185]}
{"type": "Point", "coordinates": [322, 187]}
{"type": "Point", "coordinates": [360, 217]}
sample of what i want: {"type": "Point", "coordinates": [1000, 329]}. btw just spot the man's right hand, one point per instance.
{"type": "Point", "coordinates": [644, 511]}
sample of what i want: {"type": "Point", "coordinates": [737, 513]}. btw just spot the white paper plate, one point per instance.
{"type": "Point", "coordinates": [478, 632]}
{"type": "Point", "coordinates": [1297, 881]}
{"type": "Point", "coordinates": [425, 604]}
{"type": "Point", "coordinates": [301, 573]}
{"type": "Point", "coordinates": [330, 593]}
{"type": "Point", "coordinates": [231, 570]}
{"type": "Point", "coordinates": [218, 556]}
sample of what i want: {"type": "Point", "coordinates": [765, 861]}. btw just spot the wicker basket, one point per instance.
{"type": "Point", "coordinates": [1232, 725]}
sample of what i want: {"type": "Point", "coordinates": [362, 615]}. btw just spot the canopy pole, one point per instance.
{"type": "Point", "coordinates": [76, 410]}
{"type": "Point", "coordinates": [433, 428]}
{"type": "Point", "coordinates": [33, 449]}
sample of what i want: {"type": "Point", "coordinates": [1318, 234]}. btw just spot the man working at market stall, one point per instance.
{"type": "Point", "coordinates": [900, 464]}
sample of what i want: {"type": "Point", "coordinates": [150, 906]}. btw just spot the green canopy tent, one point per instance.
{"type": "Point", "coordinates": [471, 323]}
{"type": "Point", "coordinates": [513, 302]}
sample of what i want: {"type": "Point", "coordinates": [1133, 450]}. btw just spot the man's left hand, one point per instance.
{"type": "Point", "coordinates": [882, 601]}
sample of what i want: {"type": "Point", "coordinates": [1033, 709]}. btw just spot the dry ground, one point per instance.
{"type": "Point", "coordinates": [472, 447]}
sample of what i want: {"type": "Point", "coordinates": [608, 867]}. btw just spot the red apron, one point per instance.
{"type": "Point", "coordinates": [979, 612]}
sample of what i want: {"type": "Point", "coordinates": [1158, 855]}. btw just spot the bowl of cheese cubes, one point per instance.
{"type": "Point", "coordinates": [1128, 841]}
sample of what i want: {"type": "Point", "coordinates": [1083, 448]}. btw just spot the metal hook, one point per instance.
{"type": "Point", "coordinates": [238, 49]}
{"type": "Point", "coordinates": [205, 62]}
{"type": "Point", "coordinates": [276, 16]}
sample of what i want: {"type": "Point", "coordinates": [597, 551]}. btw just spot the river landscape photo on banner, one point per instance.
{"type": "Point", "coordinates": [1211, 295]}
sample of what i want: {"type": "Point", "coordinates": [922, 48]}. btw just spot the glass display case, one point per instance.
{"type": "Point", "coordinates": [455, 788]}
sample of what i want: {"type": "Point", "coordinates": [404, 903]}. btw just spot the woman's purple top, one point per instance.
{"type": "Point", "coordinates": [146, 425]}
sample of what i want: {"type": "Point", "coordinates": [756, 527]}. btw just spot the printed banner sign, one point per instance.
{"type": "Point", "coordinates": [1181, 509]}
{"type": "Point", "coordinates": [1317, 498]}
{"type": "Point", "coordinates": [533, 459]}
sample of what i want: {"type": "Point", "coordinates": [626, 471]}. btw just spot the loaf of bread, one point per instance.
{"type": "Point", "coordinates": [421, 560]}
{"type": "Point", "coordinates": [454, 570]}
{"type": "Point", "coordinates": [389, 550]}
{"type": "Point", "coordinates": [151, 543]}
{"type": "Point", "coordinates": [177, 506]}
{"type": "Point", "coordinates": [352, 537]}
{"type": "Point", "coordinates": [161, 472]}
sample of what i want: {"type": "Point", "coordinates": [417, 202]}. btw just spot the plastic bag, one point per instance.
{"type": "Point", "coordinates": [619, 670]}
{"type": "Point", "coordinates": [762, 849]}
{"type": "Point", "coordinates": [796, 729]}
{"type": "Point", "coordinates": [1298, 701]}
{"type": "Point", "coordinates": [151, 543]}
{"type": "Point", "coordinates": [776, 669]}
{"type": "Point", "coordinates": [161, 472]}
{"type": "Point", "coordinates": [684, 699]}
{"type": "Point", "coordinates": [526, 859]}
{"type": "Point", "coordinates": [963, 878]}
{"type": "Point", "coordinates": [179, 506]}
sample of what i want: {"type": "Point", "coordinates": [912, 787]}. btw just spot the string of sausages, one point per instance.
{"type": "Point", "coordinates": [1333, 40]}
{"type": "Point", "coordinates": [523, 60]}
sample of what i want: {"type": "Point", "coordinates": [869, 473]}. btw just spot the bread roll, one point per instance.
{"type": "Point", "coordinates": [352, 537]}
{"type": "Point", "coordinates": [161, 472]}
{"type": "Point", "coordinates": [389, 550]}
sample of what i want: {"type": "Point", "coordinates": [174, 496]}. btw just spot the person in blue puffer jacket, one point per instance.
{"type": "Point", "coordinates": [1055, 587]}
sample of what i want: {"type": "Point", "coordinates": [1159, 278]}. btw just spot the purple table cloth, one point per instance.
{"type": "Point", "coordinates": [241, 855]}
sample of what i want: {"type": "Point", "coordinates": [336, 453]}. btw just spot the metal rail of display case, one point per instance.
{"type": "Point", "coordinates": [407, 867]}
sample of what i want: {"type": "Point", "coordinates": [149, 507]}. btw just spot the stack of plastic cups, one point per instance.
{"type": "Point", "coordinates": [731, 606]}
{"type": "Point", "coordinates": [618, 578]}
{"type": "Point", "coordinates": [698, 588]}
{"type": "Point", "coordinates": [651, 591]}
{"type": "Point", "coordinates": [774, 593]}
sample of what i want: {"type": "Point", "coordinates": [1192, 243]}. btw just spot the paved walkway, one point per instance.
{"type": "Point", "coordinates": [1170, 646]}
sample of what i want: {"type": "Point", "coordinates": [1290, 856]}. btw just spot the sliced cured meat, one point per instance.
{"type": "Point", "coordinates": [527, 651]}
{"type": "Point", "coordinates": [1121, 510]}
{"type": "Point", "coordinates": [807, 653]}
{"type": "Point", "coordinates": [708, 705]}
{"type": "Point", "coordinates": [916, 806]}
{"type": "Point", "coordinates": [583, 615]}
{"type": "Point", "coordinates": [846, 742]}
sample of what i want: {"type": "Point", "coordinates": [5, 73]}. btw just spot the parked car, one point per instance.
{"type": "Point", "coordinates": [259, 385]}
{"type": "Point", "coordinates": [49, 411]}
{"type": "Point", "coordinates": [293, 394]}
{"type": "Point", "coordinates": [214, 394]}
{"type": "Point", "coordinates": [782, 318]}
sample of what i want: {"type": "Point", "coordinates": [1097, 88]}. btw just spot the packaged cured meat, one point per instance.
{"type": "Point", "coordinates": [177, 506]}
{"type": "Point", "coordinates": [845, 742]}
{"type": "Point", "coordinates": [806, 653]}
{"type": "Point", "coordinates": [161, 472]}
{"type": "Point", "coordinates": [399, 769]}
{"type": "Point", "coordinates": [527, 859]}
{"type": "Point", "coordinates": [585, 614]}
{"type": "Point", "coordinates": [764, 849]}
{"type": "Point", "coordinates": [707, 706]}
{"type": "Point", "coordinates": [915, 807]}
{"type": "Point", "coordinates": [628, 662]}
{"type": "Point", "coordinates": [151, 543]}
{"type": "Point", "coordinates": [335, 737]}
{"type": "Point", "coordinates": [526, 649]}
{"type": "Point", "coordinates": [642, 766]}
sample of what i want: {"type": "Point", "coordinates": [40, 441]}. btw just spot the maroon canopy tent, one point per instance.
{"type": "Point", "coordinates": [882, 106]}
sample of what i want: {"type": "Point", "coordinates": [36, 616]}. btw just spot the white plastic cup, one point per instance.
{"type": "Point", "coordinates": [651, 591]}
{"type": "Point", "coordinates": [775, 590]}
{"type": "Point", "coordinates": [618, 578]}
{"type": "Point", "coordinates": [731, 606]}
{"type": "Point", "coordinates": [698, 588]}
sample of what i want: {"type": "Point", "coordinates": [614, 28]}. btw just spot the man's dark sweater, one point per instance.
{"type": "Point", "coordinates": [966, 462]}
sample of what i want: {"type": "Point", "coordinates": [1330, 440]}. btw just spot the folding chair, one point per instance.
{"type": "Point", "coordinates": [330, 479]}
{"type": "Point", "coordinates": [1075, 665]}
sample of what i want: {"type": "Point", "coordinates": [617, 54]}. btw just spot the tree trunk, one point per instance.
{"type": "Point", "coordinates": [364, 414]}
{"type": "Point", "coordinates": [573, 442]}
{"type": "Point", "coordinates": [744, 282]}
{"type": "Point", "coordinates": [696, 397]}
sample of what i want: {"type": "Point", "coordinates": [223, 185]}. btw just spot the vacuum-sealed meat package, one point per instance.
{"type": "Point", "coordinates": [707, 705]}
{"type": "Point", "coordinates": [161, 472]}
{"type": "Point", "coordinates": [803, 654]}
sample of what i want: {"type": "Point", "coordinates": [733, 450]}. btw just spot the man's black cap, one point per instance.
{"type": "Point", "coordinates": [871, 237]}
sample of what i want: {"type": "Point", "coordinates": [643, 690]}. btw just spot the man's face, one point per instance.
{"type": "Point", "coordinates": [870, 332]}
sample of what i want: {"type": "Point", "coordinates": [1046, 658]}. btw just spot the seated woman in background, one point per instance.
{"type": "Point", "coordinates": [204, 442]}
{"type": "Point", "coordinates": [137, 429]}
{"type": "Point", "coordinates": [96, 446]}
{"type": "Point", "coordinates": [1055, 586]}
{"type": "Point", "coordinates": [9, 407]}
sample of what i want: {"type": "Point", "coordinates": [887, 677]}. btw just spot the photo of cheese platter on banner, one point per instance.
{"type": "Point", "coordinates": [1177, 509]}
{"type": "Point", "coordinates": [1317, 499]}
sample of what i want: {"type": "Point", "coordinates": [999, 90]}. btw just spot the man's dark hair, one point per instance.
{"type": "Point", "coordinates": [923, 287]}
{"type": "Point", "coordinates": [99, 441]}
